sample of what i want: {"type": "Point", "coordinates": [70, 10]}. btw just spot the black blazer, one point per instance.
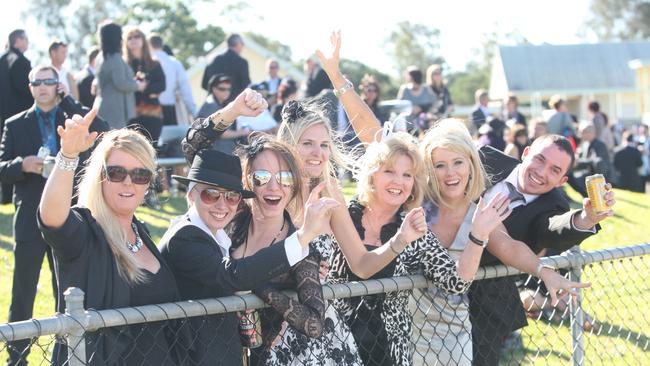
{"type": "Point", "coordinates": [84, 84]}
{"type": "Point", "coordinates": [495, 306]}
{"type": "Point", "coordinates": [627, 161]}
{"type": "Point", "coordinates": [202, 272]}
{"type": "Point", "coordinates": [231, 64]}
{"type": "Point", "coordinates": [478, 118]}
{"type": "Point", "coordinates": [317, 82]}
{"type": "Point", "coordinates": [15, 96]}
{"type": "Point", "coordinates": [21, 138]}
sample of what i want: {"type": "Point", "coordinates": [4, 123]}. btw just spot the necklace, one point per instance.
{"type": "Point", "coordinates": [376, 232]}
{"type": "Point", "coordinates": [272, 241]}
{"type": "Point", "coordinates": [137, 245]}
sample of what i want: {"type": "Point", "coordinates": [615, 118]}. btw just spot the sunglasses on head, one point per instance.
{"type": "Point", "coordinates": [48, 82]}
{"type": "Point", "coordinates": [262, 177]}
{"type": "Point", "coordinates": [210, 196]}
{"type": "Point", "coordinates": [118, 174]}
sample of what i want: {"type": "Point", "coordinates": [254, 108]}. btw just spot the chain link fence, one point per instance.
{"type": "Point", "coordinates": [607, 325]}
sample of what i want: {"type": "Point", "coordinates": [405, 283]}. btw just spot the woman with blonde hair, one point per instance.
{"type": "Point", "coordinates": [102, 248]}
{"type": "Point", "coordinates": [443, 105]}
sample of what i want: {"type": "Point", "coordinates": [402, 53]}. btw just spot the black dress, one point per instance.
{"type": "Point", "coordinates": [147, 107]}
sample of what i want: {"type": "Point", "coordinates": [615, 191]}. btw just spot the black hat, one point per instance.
{"type": "Point", "coordinates": [216, 169]}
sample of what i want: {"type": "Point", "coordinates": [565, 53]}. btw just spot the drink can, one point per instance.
{"type": "Point", "coordinates": [250, 329]}
{"type": "Point", "coordinates": [596, 191]}
{"type": "Point", "coordinates": [48, 165]}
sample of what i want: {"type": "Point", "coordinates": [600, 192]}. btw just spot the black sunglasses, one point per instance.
{"type": "Point", "coordinates": [48, 82]}
{"type": "Point", "coordinates": [261, 177]}
{"type": "Point", "coordinates": [118, 174]}
{"type": "Point", "coordinates": [210, 196]}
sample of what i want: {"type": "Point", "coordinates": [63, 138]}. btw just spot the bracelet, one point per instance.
{"type": "Point", "coordinates": [347, 86]}
{"type": "Point", "coordinates": [390, 245]}
{"type": "Point", "coordinates": [219, 124]}
{"type": "Point", "coordinates": [65, 163]}
{"type": "Point", "coordinates": [541, 266]}
{"type": "Point", "coordinates": [477, 241]}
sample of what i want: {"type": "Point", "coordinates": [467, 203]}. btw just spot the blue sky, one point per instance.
{"type": "Point", "coordinates": [305, 25]}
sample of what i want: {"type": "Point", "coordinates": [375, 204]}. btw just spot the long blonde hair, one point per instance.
{"type": "Point", "coordinates": [91, 196]}
{"type": "Point", "coordinates": [297, 117]}
{"type": "Point", "coordinates": [452, 134]}
{"type": "Point", "coordinates": [386, 152]}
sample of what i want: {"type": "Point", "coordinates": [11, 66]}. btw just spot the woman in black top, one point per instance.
{"type": "Point", "coordinates": [100, 246]}
{"type": "Point", "coordinates": [444, 105]}
{"type": "Point", "coordinates": [148, 112]}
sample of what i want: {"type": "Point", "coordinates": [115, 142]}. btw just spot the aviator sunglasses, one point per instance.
{"type": "Point", "coordinates": [261, 177]}
{"type": "Point", "coordinates": [118, 174]}
{"type": "Point", "coordinates": [210, 196]}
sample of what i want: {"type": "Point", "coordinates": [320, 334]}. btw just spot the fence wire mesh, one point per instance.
{"type": "Point", "coordinates": [396, 321]}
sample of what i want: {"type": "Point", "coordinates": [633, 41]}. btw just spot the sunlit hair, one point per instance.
{"type": "Point", "coordinates": [297, 117]}
{"type": "Point", "coordinates": [385, 153]}
{"type": "Point", "coordinates": [452, 134]}
{"type": "Point", "coordinates": [259, 142]}
{"type": "Point", "coordinates": [146, 53]}
{"type": "Point", "coordinates": [431, 70]}
{"type": "Point", "coordinates": [91, 196]}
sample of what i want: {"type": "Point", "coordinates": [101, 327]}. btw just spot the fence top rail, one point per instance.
{"type": "Point", "coordinates": [94, 319]}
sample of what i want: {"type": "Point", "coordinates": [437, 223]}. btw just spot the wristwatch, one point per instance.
{"type": "Point", "coordinates": [347, 86]}
{"type": "Point", "coordinates": [477, 241]}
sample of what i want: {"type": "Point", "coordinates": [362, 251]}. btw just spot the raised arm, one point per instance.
{"type": "Point", "coordinates": [363, 121]}
{"type": "Point", "coordinates": [57, 195]}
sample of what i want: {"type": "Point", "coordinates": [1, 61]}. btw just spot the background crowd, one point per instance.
{"type": "Point", "coordinates": [132, 80]}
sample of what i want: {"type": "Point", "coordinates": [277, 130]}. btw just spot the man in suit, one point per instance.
{"type": "Point", "coordinates": [540, 218]}
{"type": "Point", "coordinates": [230, 63]}
{"type": "Point", "coordinates": [27, 139]}
{"type": "Point", "coordinates": [316, 79]}
{"type": "Point", "coordinates": [14, 92]}
{"type": "Point", "coordinates": [85, 79]}
{"type": "Point", "coordinates": [627, 161]}
{"type": "Point", "coordinates": [481, 113]}
{"type": "Point", "coordinates": [592, 158]}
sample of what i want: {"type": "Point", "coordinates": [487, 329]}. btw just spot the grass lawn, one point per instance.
{"type": "Point", "coordinates": [619, 296]}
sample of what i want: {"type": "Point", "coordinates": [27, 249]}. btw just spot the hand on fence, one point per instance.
{"type": "Point", "coordinates": [556, 285]}
{"type": "Point", "coordinates": [75, 136]}
{"type": "Point", "coordinates": [489, 215]}
{"type": "Point", "coordinates": [414, 225]}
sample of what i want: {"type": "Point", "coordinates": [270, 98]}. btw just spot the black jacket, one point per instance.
{"type": "Point", "coordinates": [15, 96]}
{"type": "Point", "coordinates": [627, 161]}
{"type": "Point", "coordinates": [21, 138]}
{"type": "Point", "coordinates": [201, 272]}
{"type": "Point", "coordinates": [231, 64]}
{"type": "Point", "coordinates": [84, 84]}
{"type": "Point", "coordinates": [495, 307]}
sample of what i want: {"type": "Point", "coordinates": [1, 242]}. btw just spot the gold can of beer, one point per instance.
{"type": "Point", "coordinates": [596, 191]}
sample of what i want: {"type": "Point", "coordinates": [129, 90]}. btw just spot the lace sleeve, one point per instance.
{"type": "Point", "coordinates": [439, 267]}
{"type": "Point", "coordinates": [306, 314]}
{"type": "Point", "coordinates": [201, 135]}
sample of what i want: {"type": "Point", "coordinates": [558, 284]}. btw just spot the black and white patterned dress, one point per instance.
{"type": "Point", "coordinates": [336, 345]}
{"type": "Point", "coordinates": [381, 324]}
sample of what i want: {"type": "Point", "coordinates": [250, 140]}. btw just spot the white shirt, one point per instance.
{"type": "Point", "coordinates": [63, 77]}
{"type": "Point", "coordinates": [294, 251]}
{"type": "Point", "coordinates": [175, 79]}
{"type": "Point", "coordinates": [273, 84]}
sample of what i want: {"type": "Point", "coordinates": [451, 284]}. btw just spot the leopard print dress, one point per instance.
{"type": "Point", "coordinates": [381, 324]}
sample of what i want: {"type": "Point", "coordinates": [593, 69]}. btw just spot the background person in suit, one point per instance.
{"type": "Point", "coordinates": [627, 161]}
{"type": "Point", "coordinates": [481, 113]}
{"type": "Point", "coordinates": [86, 77]}
{"type": "Point", "coordinates": [541, 218]}
{"type": "Point", "coordinates": [58, 52]}
{"type": "Point", "coordinates": [230, 63]}
{"type": "Point", "coordinates": [24, 135]}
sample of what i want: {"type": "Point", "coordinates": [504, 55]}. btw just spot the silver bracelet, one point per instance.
{"type": "Point", "coordinates": [347, 86]}
{"type": "Point", "coordinates": [67, 164]}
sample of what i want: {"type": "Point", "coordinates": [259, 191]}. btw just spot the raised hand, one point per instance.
{"type": "Point", "coordinates": [249, 103]}
{"type": "Point", "coordinates": [75, 136]}
{"type": "Point", "coordinates": [557, 284]}
{"type": "Point", "coordinates": [488, 216]}
{"type": "Point", "coordinates": [414, 225]}
{"type": "Point", "coordinates": [317, 214]}
{"type": "Point", "coordinates": [330, 61]}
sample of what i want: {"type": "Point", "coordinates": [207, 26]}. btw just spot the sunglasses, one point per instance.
{"type": "Point", "coordinates": [118, 174]}
{"type": "Point", "coordinates": [48, 82]}
{"type": "Point", "coordinates": [262, 177]}
{"type": "Point", "coordinates": [224, 89]}
{"type": "Point", "coordinates": [210, 196]}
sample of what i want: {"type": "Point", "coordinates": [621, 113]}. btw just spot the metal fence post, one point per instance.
{"type": "Point", "coordinates": [577, 316]}
{"type": "Point", "coordinates": [74, 308]}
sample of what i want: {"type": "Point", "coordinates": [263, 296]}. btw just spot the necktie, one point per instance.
{"type": "Point", "coordinates": [514, 195]}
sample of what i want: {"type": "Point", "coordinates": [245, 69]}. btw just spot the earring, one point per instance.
{"type": "Point", "coordinates": [411, 198]}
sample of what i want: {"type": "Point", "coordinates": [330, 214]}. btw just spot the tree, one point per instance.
{"type": "Point", "coordinates": [282, 50]}
{"type": "Point", "coordinates": [615, 20]}
{"type": "Point", "coordinates": [414, 44]}
{"type": "Point", "coordinates": [176, 25]}
{"type": "Point", "coordinates": [76, 26]}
